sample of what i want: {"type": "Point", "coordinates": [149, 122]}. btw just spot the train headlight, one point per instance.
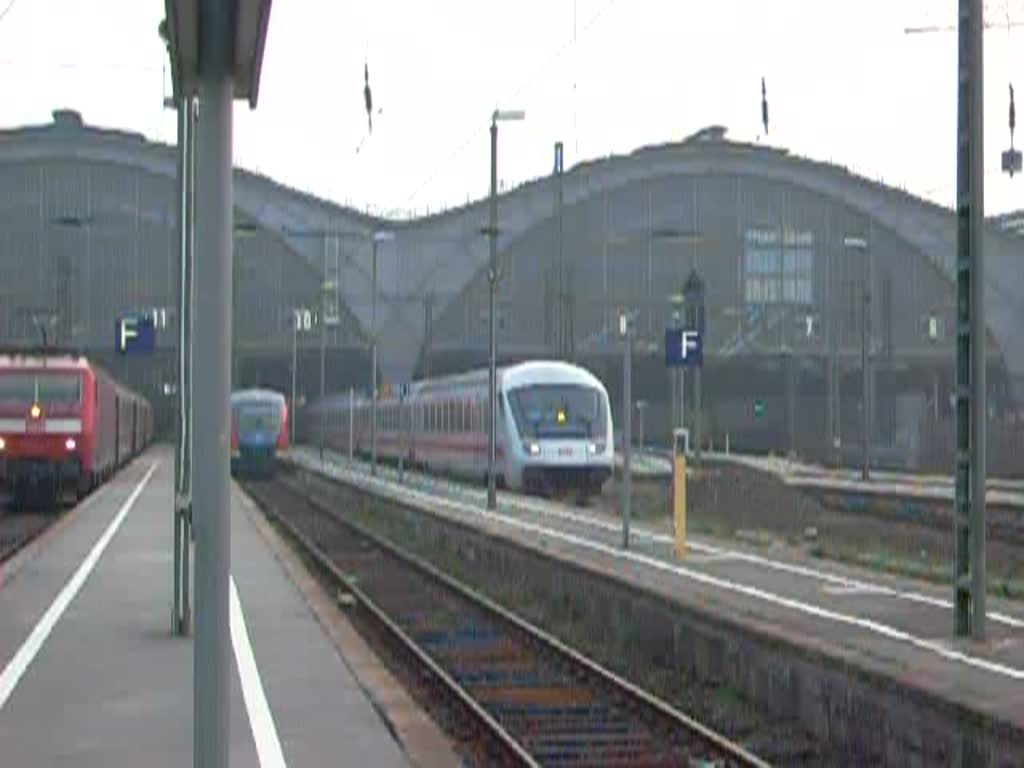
{"type": "Point", "coordinates": [3, 443]}
{"type": "Point", "coordinates": [70, 444]}
{"type": "Point", "coordinates": [532, 448]}
{"type": "Point", "coordinates": [595, 449]}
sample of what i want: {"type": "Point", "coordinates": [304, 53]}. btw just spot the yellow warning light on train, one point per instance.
{"type": "Point", "coordinates": [561, 416]}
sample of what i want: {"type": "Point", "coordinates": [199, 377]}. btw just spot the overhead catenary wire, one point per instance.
{"type": "Point", "coordinates": [542, 70]}
{"type": "Point", "coordinates": [7, 10]}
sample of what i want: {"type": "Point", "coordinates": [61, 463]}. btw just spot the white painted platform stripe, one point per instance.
{"type": "Point", "coordinates": [261, 721]}
{"type": "Point", "coordinates": [28, 651]}
{"type": "Point", "coordinates": [870, 625]}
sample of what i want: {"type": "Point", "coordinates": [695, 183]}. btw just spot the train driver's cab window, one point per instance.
{"type": "Point", "coordinates": [558, 411]}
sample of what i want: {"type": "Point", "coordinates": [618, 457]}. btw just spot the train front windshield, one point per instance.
{"type": "Point", "coordinates": [558, 411]}
{"type": "Point", "coordinates": [258, 418]}
{"type": "Point", "coordinates": [45, 388]}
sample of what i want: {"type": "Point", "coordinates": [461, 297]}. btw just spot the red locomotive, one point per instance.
{"type": "Point", "coordinates": [65, 425]}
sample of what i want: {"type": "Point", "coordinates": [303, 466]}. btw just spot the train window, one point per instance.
{"type": "Point", "coordinates": [17, 387]}
{"type": "Point", "coordinates": [63, 388]}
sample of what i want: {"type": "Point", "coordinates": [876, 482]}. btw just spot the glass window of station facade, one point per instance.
{"type": "Point", "coordinates": [779, 273]}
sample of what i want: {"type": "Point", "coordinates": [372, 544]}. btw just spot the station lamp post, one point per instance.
{"type": "Point", "coordinates": [378, 237]}
{"type": "Point", "coordinates": [860, 245]}
{"type": "Point", "coordinates": [492, 279]}
{"type": "Point", "coordinates": [627, 330]}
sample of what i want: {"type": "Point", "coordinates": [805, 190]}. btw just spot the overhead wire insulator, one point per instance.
{"type": "Point", "coordinates": [764, 106]}
{"type": "Point", "coordinates": [367, 96]}
{"type": "Point", "coordinates": [1013, 116]}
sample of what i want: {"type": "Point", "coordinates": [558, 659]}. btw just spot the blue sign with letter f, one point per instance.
{"type": "Point", "coordinates": [683, 348]}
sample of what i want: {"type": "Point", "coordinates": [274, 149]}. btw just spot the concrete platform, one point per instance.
{"type": "Point", "coordinates": [90, 674]}
{"type": "Point", "coordinates": [893, 627]}
{"type": "Point", "coordinates": [1000, 492]}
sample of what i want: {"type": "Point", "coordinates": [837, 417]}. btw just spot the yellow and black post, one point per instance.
{"type": "Point", "coordinates": [680, 447]}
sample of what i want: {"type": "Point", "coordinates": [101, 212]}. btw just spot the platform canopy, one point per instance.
{"type": "Point", "coordinates": [181, 31]}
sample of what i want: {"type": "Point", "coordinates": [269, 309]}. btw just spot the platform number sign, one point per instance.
{"type": "Point", "coordinates": [135, 335]}
{"type": "Point", "coordinates": [304, 320]}
{"type": "Point", "coordinates": [683, 348]}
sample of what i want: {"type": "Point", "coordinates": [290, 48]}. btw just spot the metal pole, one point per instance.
{"type": "Point", "coordinates": [969, 520]}
{"type": "Point", "coordinates": [295, 368]}
{"type": "Point", "coordinates": [179, 427]}
{"type": "Point", "coordinates": [373, 363]}
{"type": "Point", "coordinates": [865, 379]}
{"type": "Point", "coordinates": [212, 661]}
{"type": "Point", "coordinates": [323, 331]}
{"type": "Point", "coordinates": [492, 275]}
{"type": "Point", "coordinates": [323, 345]}
{"type": "Point", "coordinates": [698, 405]}
{"type": "Point", "coordinates": [627, 430]}
{"type": "Point", "coordinates": [561, 325]}
{"type": "Point", "coordinates": [187, 419]}
{"type": "Point", "coordinates": [351, 421]}
{"type": "Point", "coordinates": [401, 437]}
{"type": "Point", "coordinates": [682, 398]}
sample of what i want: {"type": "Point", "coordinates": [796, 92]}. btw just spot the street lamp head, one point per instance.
{"type": "Point", "coordinates": [506, 115]}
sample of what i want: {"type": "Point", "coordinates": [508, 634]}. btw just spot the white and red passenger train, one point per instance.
{"type": "Point", "coordinates": [554, 427]}
{"type": "Point", "coordinates": [65, 425]}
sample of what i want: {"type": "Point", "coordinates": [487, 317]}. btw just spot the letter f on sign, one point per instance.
{"type": "Point", "coordinates": [689, 343]}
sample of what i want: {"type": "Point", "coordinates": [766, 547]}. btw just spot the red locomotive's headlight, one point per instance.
{"type": "Point", "coordinates": [3, 443]}
{"type": "Point", "coordinates": [70, 444]}
{"type": "Point", "coordinates": [35, 411]}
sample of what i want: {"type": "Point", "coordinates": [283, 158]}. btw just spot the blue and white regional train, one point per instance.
{"type": "Point", "coordinates": [259, 431]}
{"type": "Point", "coordinates": [554, 427]}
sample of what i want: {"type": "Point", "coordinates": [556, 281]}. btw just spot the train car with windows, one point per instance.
{"type": "Point", "coordinates": [553, 436]}
{"type": "Point", "coordinates": [65, 426]}
{"type": "Point", "coordinates": [259, 431]}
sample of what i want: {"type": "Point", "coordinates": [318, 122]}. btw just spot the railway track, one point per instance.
{"type": "Point", "coordinates": [512, 694]}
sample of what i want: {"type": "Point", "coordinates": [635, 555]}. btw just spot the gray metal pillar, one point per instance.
{"type": "Point", "coordinates": [323, 344]}
{"type": "Point", "coordinates": [561, 320]}
{"type": "Point", "coordinates": [212, 651]}
{"type": "Point", "coordinates": [295, 367]}
{"type": "Point", "coordinates": [373, 363]}
{"type": "Point", "coordinates": [188, 531]}
{"type": "Point", "coordinates": [969, 577]}
{"type": "Point", "coordinates": [179, 426]}
{"type": "Point", "coordinates": [791, 400]}
{"type": "Point", "coordinates": [698, 412]}
{"type": "Point", "coordinates": [865, 393]}
{"type": "Point", "coordinates": [627, 430]}
{"type": "Point", "coordinates": [492, 278]}
{"type": "Point", "coordinates": [351, 422]}
{"type": "Point", "coordinates": [182, 616]}
{"type": "Point", "coordinates": [323, 331]}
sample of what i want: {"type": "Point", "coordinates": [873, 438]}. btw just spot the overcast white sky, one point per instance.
{"type": "Point", "coordinates": [844, 84]}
